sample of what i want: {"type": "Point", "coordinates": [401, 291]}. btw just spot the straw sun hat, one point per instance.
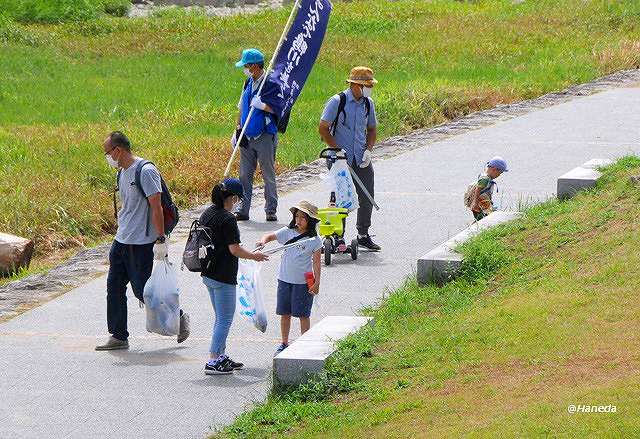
{"type": "Point", "coordinates": [363, 76]}
{"type": "Point", "coordinates": [307, 208]}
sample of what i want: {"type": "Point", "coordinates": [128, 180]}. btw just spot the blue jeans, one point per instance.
{"type": "Point", "coordinates": [127, 264]}
{"type": "Point", "coordinates": [223, 299]}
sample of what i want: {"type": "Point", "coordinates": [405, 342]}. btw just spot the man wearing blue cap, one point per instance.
{"type": "Point", "coordinates": [479, 198]}
{"type": "Point", "coordinates": [261, 135]}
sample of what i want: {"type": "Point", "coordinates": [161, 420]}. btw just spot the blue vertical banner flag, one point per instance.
{"type": "Point", "coordinates": [292, 62]}
{"type": "Point", "coordinates": [299, 51]}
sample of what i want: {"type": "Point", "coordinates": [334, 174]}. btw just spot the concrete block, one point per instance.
{"type": "Point", "coordinates": [443, 262]}
{"type": "Point", "coordinates": [307, 355]}
{"type": "Point", "coordinates": [597, 163]}
{"type": "Point", "coordinates": [580, 178]}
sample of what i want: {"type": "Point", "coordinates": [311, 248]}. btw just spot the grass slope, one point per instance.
{"type": "Point", "coordinates": [169, 82]}
{"type": "Point", "coordinates": [545, 315]}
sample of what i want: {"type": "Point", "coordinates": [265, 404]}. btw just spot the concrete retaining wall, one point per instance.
{"type": "Point", "coordinates": [443, 262]}
{"type": "Point", "coordinates": [307, 355]}
{"type": "Point", "coordinates": [580, 178]}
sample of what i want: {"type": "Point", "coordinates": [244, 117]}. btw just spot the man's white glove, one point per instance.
{"type": "Point", "coordinates": [234, 139]}
{"type": "Point", "coordinates": [366, 159]}
{"type": "Point", "coordinates": [256, 102]}
{"type": "Point", "coordinates": [160, 250]}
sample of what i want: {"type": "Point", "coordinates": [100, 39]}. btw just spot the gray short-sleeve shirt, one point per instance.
{"type": "Point", "coordinates": [134, 216]}
{"type": "Point", "coordinates": [296, 260]}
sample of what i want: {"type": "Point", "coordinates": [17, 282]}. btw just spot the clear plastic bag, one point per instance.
{"type": "Point", "coordinates": [340, 181]}
{"type": "Point", "coordinates": [161, 299]}
{"type": "Point", "coordinates": [249, 294]}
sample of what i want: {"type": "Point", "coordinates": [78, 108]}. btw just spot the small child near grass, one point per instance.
{"type": "Point", "coordinates": [478, 196]}
{"type": "Point", "coordinates": [295, 296]}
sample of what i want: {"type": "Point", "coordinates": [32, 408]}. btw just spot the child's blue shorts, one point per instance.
{"type": "Point", "coordinates": [293, 299]}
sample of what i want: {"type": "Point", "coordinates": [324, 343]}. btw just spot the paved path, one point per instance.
{"type": "Point", "coordinates": [54, 385]}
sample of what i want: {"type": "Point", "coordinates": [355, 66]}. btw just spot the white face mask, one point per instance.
{"type": "Point", "coordinates": [112, 162]}
{"type": "Point", "coordinates": [366, 91]}
{"type": "Point", "coordinates": [236, 204]}
{"type": "Point", "coordinates": [246, 72]}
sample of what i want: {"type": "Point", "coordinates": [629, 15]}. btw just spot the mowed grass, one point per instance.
{"type": "Point", "coordinates": [544, 316]}
{"type": "Point", "coordinates": [169, 82]}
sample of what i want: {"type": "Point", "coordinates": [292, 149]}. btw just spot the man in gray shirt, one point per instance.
{"type": "Point", "coordinates": [349, 122]}
{"type": "Point", "coordinates": [139, 240]}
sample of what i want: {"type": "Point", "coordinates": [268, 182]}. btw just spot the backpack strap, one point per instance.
{"type": "Point", "coordinates": [138, 182]}
{"type": "Point", "coordinates": [341, 105]}
{"type": "Point", "coordinates": [487, 189]}
{"type": "Point", "coordinates": [116, 189]}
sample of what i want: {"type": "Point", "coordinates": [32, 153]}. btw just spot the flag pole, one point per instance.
{"type": "Point", "coordinates": [283, 38]}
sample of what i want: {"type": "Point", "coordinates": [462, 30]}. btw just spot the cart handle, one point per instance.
{"type": "Point", "coordinates": [333, 154]}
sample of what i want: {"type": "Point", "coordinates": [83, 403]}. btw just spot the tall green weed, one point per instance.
{"type": "Point", "coordinates": [62, 11]}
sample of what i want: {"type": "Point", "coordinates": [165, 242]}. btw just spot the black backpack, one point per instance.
{"type": "Point", "coordinates": [169, 209]}
{"type": "Point", "coordinates": [199, 250]}
{"type": "Point", "coordinates": [341, 105]}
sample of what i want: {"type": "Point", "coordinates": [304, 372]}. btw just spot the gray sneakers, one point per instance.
{"type": "Point", "coordinates": [113, 344]}
{"type": "Point", "coordinates": [185, 327]}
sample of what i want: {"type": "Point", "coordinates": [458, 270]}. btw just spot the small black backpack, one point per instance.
{"type": "Point", "coordinates": [198, 252]}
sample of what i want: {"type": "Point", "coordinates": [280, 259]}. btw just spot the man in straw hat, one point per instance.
{"type": "Point", "coordinates": [349, 122]}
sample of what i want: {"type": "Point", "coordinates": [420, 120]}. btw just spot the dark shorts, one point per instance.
{"type": "Point", "coordinates": [478, 215]}
{"type": "Point", "coordinates": [293, 299]}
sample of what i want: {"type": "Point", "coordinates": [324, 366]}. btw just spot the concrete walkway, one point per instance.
{"type": "Point", "coordinates": [54, 385]}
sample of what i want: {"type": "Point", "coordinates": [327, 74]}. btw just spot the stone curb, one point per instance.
{"type": "Point", "coordinates": [443, 262]}
{"type": "Point", "coordinates": [580, 178]}
{"type": "Point", "coordinates": [307, 355]}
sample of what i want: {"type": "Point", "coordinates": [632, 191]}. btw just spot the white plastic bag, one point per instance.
{"type": "Point", "coordinates": [161, 299]}
{"type": "Point", "coordinates": [249, 294]}
{"type": "Point", "coordinates": [340, 181]}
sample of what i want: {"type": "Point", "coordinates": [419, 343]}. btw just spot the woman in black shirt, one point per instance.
{"type": "Point", "coordinates": [220, 275]}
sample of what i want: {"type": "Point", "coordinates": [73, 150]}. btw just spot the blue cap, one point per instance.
{"type": "Point", "coordinates": [233, 186]}
{"type": "Point", "coordinates": [250, 56]}
{"type": "Point", "coordinates": [499, 163]}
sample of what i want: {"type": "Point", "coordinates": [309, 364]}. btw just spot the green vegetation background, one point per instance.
{"type": "Point", "coordinates": [543, 315]}
{"type": "Point", "coordinates": [169, 82]}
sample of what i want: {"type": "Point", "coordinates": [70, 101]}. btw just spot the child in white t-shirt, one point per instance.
{"type": "Point", "coordinates": [299, 277]}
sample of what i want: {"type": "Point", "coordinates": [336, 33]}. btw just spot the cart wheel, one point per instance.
{"type": "Point", "coordinates": [328, 249]}
{"type": "Point", "coordinates": [354, 249]}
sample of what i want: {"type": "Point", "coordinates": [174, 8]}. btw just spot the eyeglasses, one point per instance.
{"type": "Point", "coordinates": [110, 151]}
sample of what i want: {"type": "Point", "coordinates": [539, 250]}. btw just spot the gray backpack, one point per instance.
{"type": "Point", "coordinates": [198, 252]}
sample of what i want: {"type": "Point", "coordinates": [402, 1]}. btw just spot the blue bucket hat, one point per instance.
{"type": "Point", "coordinates": [250, 56]}
{"type": "Point", "coordinates": [233, 186]}
{"type": "Point", "coordinates": [498, 163]}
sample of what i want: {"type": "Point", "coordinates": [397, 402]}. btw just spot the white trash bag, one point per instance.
{"type": "Point", "coordinates": [250, 303]}
{"type": "Point", "coordinates": [161, 299]}
{"type": "Point", "coordinates": [340, 181]}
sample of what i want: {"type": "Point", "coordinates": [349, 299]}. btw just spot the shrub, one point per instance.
{"type": "Point", "coordinates": [117, 8]}
{"type": "Point", "coordinates": [10, 32]}
{"type": "Point", "coordinates": [51, 11]}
